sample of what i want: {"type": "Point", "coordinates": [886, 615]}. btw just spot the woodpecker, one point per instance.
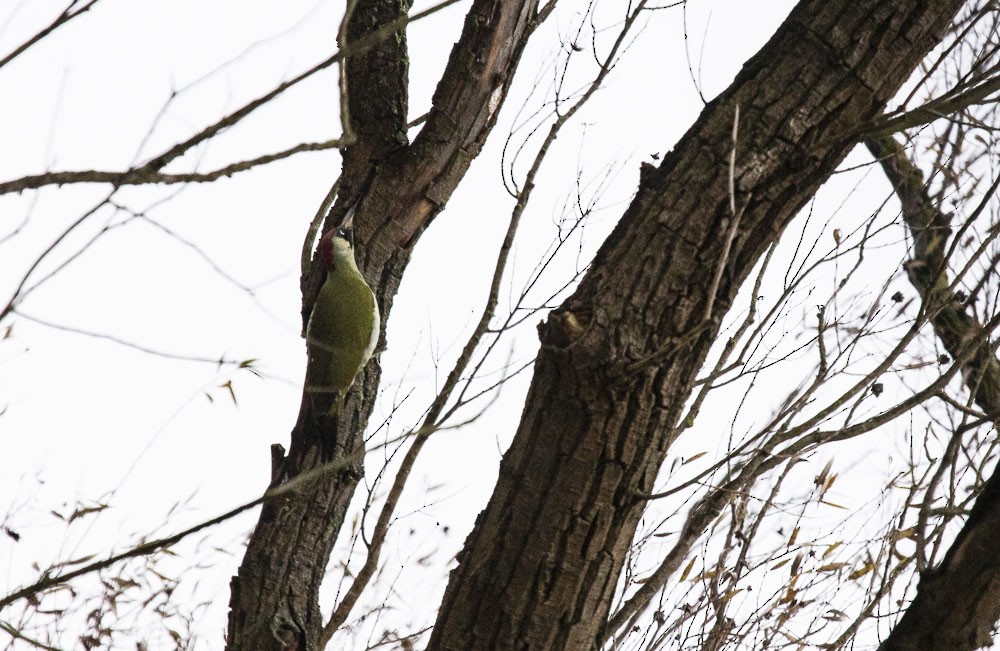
{"type": "Point", "coordinates": [344, 325]}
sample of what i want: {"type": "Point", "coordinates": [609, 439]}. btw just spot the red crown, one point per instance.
{"type": "Point", "coordinates": [326, 250]}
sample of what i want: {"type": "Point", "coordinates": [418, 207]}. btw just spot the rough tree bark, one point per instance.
{"type": "Point", "coordinates": [957, 604]}
{"type": "Point", "coordinates": [618, 358]}
{"type": "Point", "coordinates": [398, 189]}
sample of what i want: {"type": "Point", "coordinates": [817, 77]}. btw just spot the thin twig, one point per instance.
{"type": "Point", "coordinates": [713, 289]}
{"type": "Point", "coordinates": [222, 360]}
{"type": "Point", "coordinates": [64, 17]}
{"type": "Point", "coordinates": [144, 175]}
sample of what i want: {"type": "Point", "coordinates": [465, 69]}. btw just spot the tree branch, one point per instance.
{"type": "Point", "coordinates": [957, 603]}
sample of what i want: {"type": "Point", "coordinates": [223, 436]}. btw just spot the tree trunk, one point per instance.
{"type": "Point", "coordinates": [619, 357]}
{"type": "Point", "coordinates": [398, 188]}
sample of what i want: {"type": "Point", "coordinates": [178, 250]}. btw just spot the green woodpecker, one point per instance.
{"type": "Point", "coordinates": [344, 325]}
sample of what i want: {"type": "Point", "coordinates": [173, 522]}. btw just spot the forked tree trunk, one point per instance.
{"type": "Point", "coordinates": [618, 358]}
{"type": "Point", "coordinates": [398, 188]}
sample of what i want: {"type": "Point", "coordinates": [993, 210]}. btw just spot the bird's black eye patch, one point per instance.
{"type": "Point", "coordinates": [345, 233]}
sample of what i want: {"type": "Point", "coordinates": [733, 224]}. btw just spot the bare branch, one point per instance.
{"type": "Point", "coordinates": [67, 14]}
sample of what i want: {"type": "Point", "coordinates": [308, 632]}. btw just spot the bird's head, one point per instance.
{"type": "Point", "coordinates": [336, 244]}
